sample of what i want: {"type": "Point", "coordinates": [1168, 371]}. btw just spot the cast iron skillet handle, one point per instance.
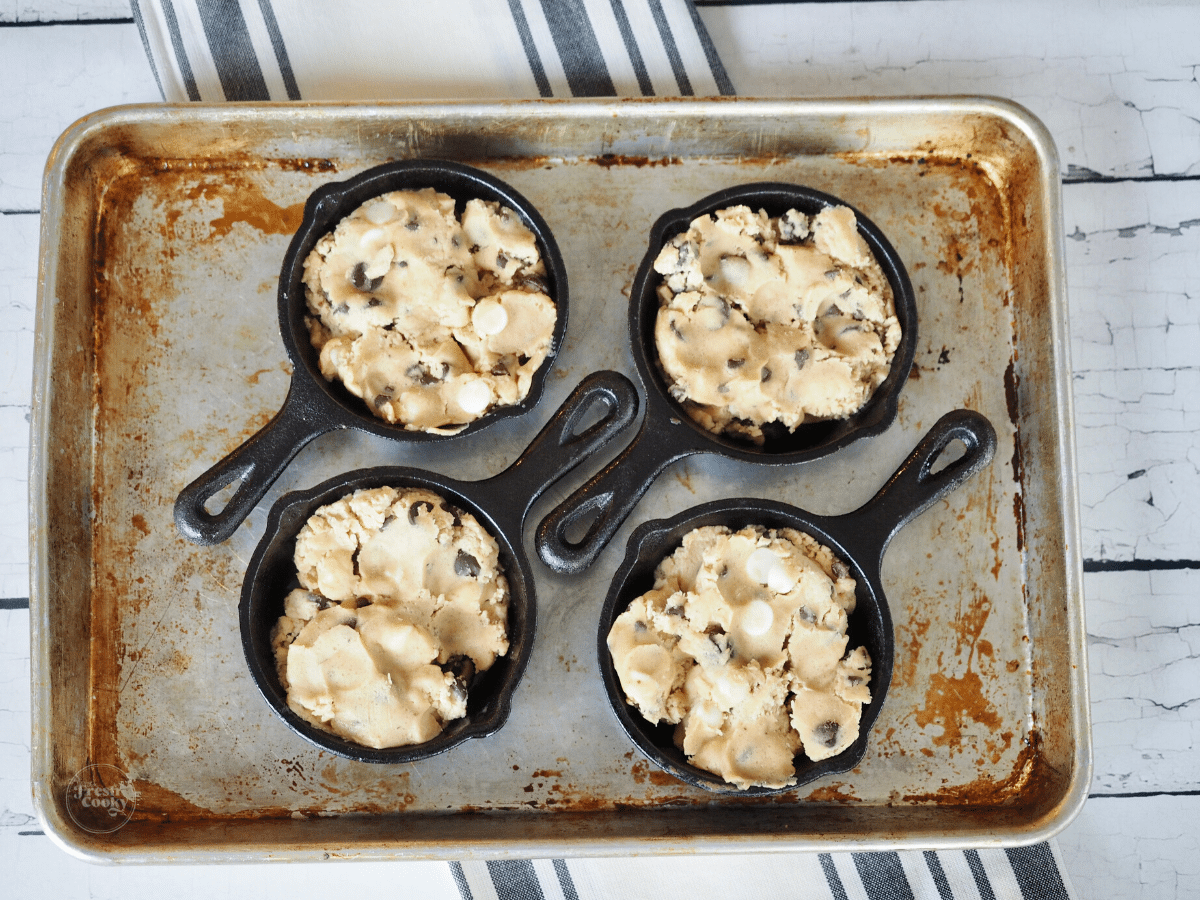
{"type": "Point", "coordinates": [257, 464]}
{"type": "Point", "coordinates": [605, 501]}
{"type": "Point", "coordinates": [559, 448]}
{"type": "Point", "coordinates": [914, 487]}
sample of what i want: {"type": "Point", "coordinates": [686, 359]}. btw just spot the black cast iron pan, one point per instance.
{"type": "Point", "coordinates": [499, 503]}
{"type": "Point", "coordinates": [669, 434]}
{"type": "Point", "coordinates": [313, 405]}
{"type": "Point", "coordinates": [859, 539]}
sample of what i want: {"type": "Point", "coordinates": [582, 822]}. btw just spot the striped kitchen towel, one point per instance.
{"type": "Point", "coordinates": [445, 50]}
{"type": "Point", "coordinates": [258, 50]}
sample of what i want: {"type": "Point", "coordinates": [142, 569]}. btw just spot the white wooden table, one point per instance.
{"type": "Point", "coordinates": [1116, 83]}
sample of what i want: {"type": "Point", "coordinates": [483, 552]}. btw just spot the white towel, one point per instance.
{"type": "Point", "coordinates": [448, 49]}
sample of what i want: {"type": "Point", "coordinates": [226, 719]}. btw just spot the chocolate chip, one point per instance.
{"type": "Point", "coordinates": [765, 375]}
{"type": "Point", "coordinates": [473, 249]}
{"type": "Point", "coordinates": [501, 259]}
{"type": "Point", "coordinates": [801, 358]}
{"type": "Point", "coordinates": [831, 274]}
{"type": "Point", "coordinates": [522, 359]}
{"type": "Point", "coordinates": [415, 510]}
{"type": "Point", "coordinates": [413, 224]}
{"type": "Point", "coordinates": [454, 511]}
{"type": "Point", "coordinates": [833, 309]}
{"type": "Point", "coordinates": [735, 363]}
{"type": "Point", "coordinates": [342, 308]}
{"type": "Point", "coordinates": [675, 331]}
{"type": "Point", "coordinates": [465, 565]}
{"type": "Point", "coordinates": [639, 626]}
{"type": "Point", "coordinates": [532, 283]}
{"type": "Point", "coordinates": [381, 400]}
{"type": "Point", "coordinates": [374, 301]}
{"type": "Point", "coordinates": [401, 264]}
{"type": "Point", "coordinates": [419, 373]}
{"type": "Point", "coordinates": [827, 733]}
{"type": "Point", "coordinates": [840, 569]}
{"type": "Point", "coordinates": [500, 369]}
{"type": "Point", "coordinates": [722, 389]}
{"type": "Point", "coordinates": [358, 278]}
{"type": "Point", "coordinates": [807, 615]}
{"type": "Point", "coordinates": [354, 561]}
{"type": "Point", "coordinates": [388, 520]}
{"type": "Point", "coordinates": [461, 667]}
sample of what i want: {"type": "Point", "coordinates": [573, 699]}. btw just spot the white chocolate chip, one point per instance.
{"type": "Point", "coordinates": [759, 564]}
{"type": "Point", "coordinates": [489, 317]}
{"type": "Point", "coordinates": [379, 212]}
{"type": "Point", "coordinates": [474, 397]}
{"type": "Point", "coordinates": [780, 580]}
{"type": "Point", "coordinates": [757, 618]}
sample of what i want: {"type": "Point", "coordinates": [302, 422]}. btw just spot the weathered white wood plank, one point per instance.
{"type": "Point", "coordinates": [1144, 665]}
{"type": "Point", "coordinates": [18, 297]}
{"type": "Point", "coordinates": [26, 11]}
{"type": "Point", "coordinates": [52, 76]}
{"type": "Point", "coordinates": [1137, 848]}
{"type": "Point", "coordinates": [1133, 271]}
{"type": "Point", "coordinates": [1115, 83]}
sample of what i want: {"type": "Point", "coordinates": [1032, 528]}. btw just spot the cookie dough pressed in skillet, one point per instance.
{"type": "Point", "coordinates": [431, 320]}
{"type": "Point", "coordinates": [773, 320]}
{"type": "Point", "coordinates": [402, 601]}
{"type": "Point", "coordinates": [742, 645]}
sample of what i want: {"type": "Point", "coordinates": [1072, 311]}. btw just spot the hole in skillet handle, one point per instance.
{"type": "Point", "coordinates": [870, 626]}
{"type": "Point", "coordinates": [810, 440]}
{"type": "Point", "coordinates": [332, 202]}
{"type": "Point", "coordinates": [271, 575]}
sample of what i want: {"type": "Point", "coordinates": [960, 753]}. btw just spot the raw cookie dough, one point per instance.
{"type": "Point", "coordinates": [402, 602]}
{"type": "Point", "coordinates": [764, 320]}
{"type": "Point", "coordinates": [431, 321]}
{"type": "Point", "coordinates": [742, 645]}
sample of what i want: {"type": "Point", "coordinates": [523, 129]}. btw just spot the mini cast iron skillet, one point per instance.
{"type": "Point", "coordinates": [859, 539]}
{"type": "Point", "coordinates": [499, 503]}
{"type": "Point", "coordinates": [313, 405]}
{"type": "Point", "coordinates": [668, 433]}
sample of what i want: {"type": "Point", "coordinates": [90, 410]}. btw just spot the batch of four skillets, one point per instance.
{"type": "Point", "coordinates": [315, 405]}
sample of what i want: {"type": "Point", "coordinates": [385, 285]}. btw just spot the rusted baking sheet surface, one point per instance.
{"type": "Point", "coordinates": [158, 352]}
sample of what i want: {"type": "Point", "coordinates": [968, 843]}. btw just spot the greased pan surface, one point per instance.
{"type": "Point", "coordinates": [858, 538]}
{"type": "Point", "coordinates": [158, 351]}
{"type": "Point", "coordinates": [669, 434]}
{"type": "Point", "coordinates": [315, 405]}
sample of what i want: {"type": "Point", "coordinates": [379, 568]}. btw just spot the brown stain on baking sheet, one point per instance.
{"type": "Point", "coordinates": [242, 201]}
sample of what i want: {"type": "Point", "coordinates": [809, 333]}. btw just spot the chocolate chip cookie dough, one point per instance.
{"type": "Point", "coordinates": [432, 321]}
{"type": "Point", "coordinates": [742, 645]}
{"type": "Point", "coordinates": [402, 601]}
{"type": "Point", "coordinates": [773, 320]}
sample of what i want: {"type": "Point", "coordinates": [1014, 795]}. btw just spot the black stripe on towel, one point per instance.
{"type": "Point", "coordinates": [531, 52]}
{"type": "Point", "coordinates": [575, 39]}
{"type": "Point", "coordinates": [720, 76]}
{"type": "Point", "coordinates": [460, 879]}
{"type": "Point", "coordinates": [939, 875]}
{"type": "Point", "coordinates": [281, 55]}
{"type": "Point", "coordinates": [141, 24]}
{"type": "Point", "coordinates": [832, 878]}
{"type": "Point", "coordinates": [631, 47]}
{"type": "Point", "coordinates": [1037, 872]}
{"type": "Point", "coordinates": [185, 65]}
{"type": "Point", "coordinates": [14, 603]}
{"type": "Point", "coordinates": [882, 876]}
{"type": "Point", "coordinates": [982, 884]}
{"type": "Point", "coordinates": [564, 880]}
{"type": "Point", "coordinates": [232, 51]}
{"type": "Point", "coordinates": [668, 39]}
{"type": "Point", "coordinates": [515, 879]}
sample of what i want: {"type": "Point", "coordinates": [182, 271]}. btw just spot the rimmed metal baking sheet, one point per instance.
{"type": "Point", "coordinates": [158, 352]}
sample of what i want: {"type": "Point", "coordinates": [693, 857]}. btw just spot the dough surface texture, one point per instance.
{"type": "Point", "coordinates": [431, 320]}
{"type": "Point", "coordinates": [742, 646]}
{"type": "Point", "coordinates": [402, 601]}
{"type": "Point", "coordinates": [773, 320]}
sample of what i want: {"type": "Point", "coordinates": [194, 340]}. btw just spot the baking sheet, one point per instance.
{"type": "Point", "coordinates": [158, 352]}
